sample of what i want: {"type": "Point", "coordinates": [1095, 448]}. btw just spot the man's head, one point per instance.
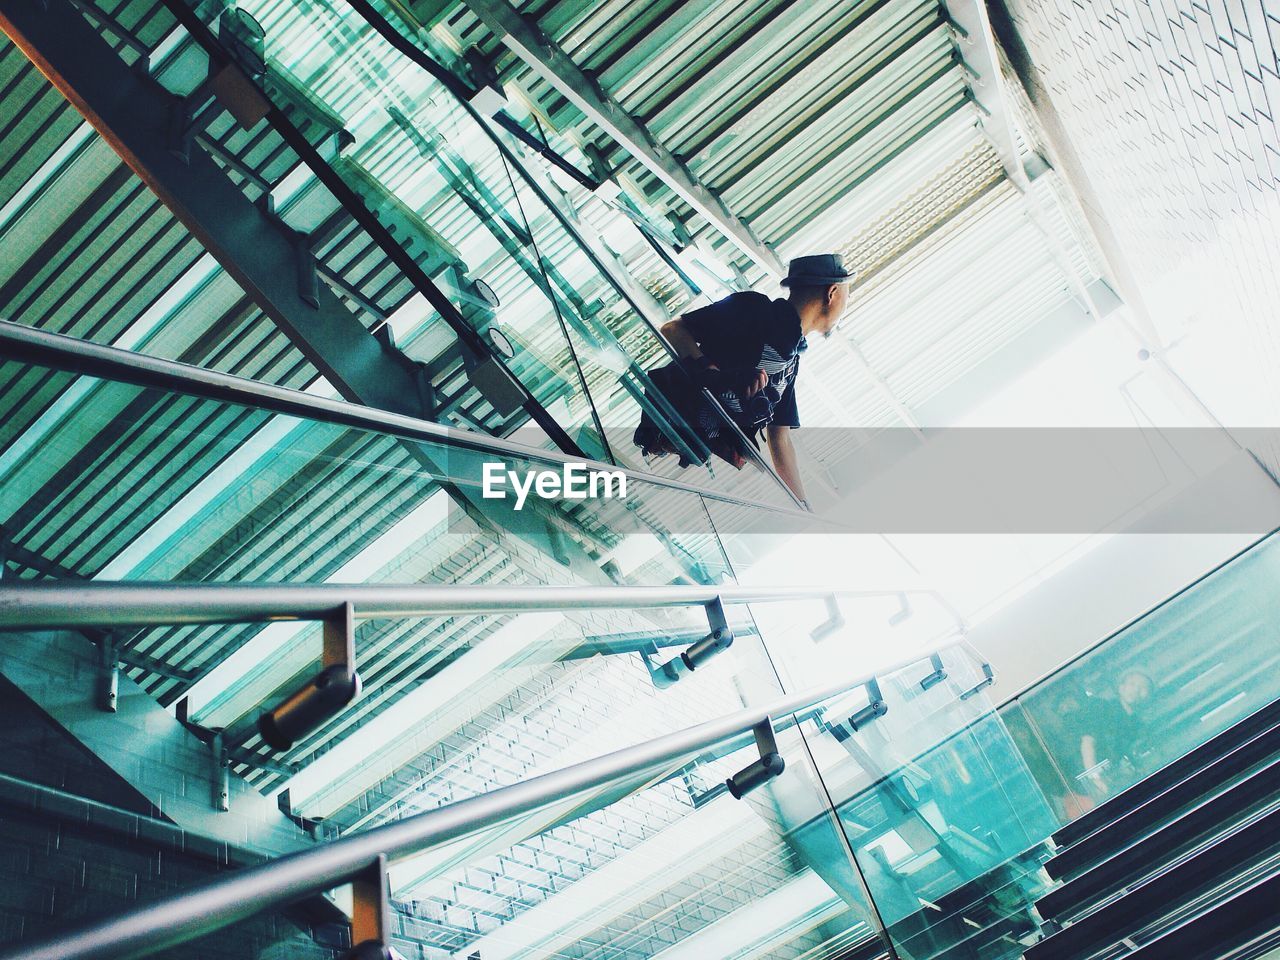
{"type": "Point", "coordinates": [1134, 688]}
{"type": "Point", "coordinates": [819, 291]}
{"type": "Point", "coordinates": [820, 308]}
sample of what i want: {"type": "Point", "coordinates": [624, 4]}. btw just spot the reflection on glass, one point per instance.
{"type": "Point", "coordinates": [432, 172]}
{"type": "Point", "coordinates": [944, 818]}
{"type": "Point", "coordinates": [1159, 688]}
{"type": "Point", "coordinates": [678, 869]}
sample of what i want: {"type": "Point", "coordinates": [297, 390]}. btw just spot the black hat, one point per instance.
{"type": "Point", "coordinates": [817, 271]}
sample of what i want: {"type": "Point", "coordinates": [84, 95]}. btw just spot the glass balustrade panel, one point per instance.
{"type": "Point", "coordinates": [110, 482]}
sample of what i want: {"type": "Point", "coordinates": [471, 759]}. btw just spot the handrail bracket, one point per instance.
{"type": "Point", "coordinates": [875, 708]}
{"type": "Point", "coordinates": [718, 639]}
{"type": "Point", "coordinates": [319, 700]}
{"type": "Point", "coordinates": [371, 914]}
{"type": "Point", "coordinates": [768, 767]}
{"type": "Point", "coordinates": [939, 673]}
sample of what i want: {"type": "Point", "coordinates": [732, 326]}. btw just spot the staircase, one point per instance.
{"type": "Point", "coordinates": [1184, 864]}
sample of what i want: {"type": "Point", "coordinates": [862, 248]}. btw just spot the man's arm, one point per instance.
{"type": "Point", "coordinates": [783, 453]}
{"type": "Point", "coordinates": [678, 334]}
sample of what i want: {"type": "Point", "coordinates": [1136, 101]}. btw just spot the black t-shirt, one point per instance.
{"type": "Point", "coordinates": [748, 330]}
{"type": "Point", "coordinates": [1119, 735]}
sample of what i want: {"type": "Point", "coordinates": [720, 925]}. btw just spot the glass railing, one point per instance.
{"type": "Point", "coordinates": [677, 868]}
{"type": "Point", "coordinates": [680, 868]}
{"type": "Point", "coordinates": [1158, 688]}
{"type": "Point", "coordinates": [105, 480]}
{"type": "Point", "coordinates": [646, 851]}
{"type": "Point", "coordinates": [910, 804]}
{"type": "Point", "coordinates": [433, 173]}
{"type": "Point", "coordinates": [108, 481]}
{"type": "Point", "coordinates": [949, 805]}
{"type": "Point", "coordinates": [941, 811]}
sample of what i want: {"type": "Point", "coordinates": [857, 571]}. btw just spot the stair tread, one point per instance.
{"type": "Point", "coordinates": [1152, 853]}
{"type": "Point", "coordinates": [1244, 919]}
{"type": "Point", "coordinates": [1177, 771]}
{"type": "Point", "coordinates": [1257, 842]}
{"type": "Point", "coordinates": [1243, 765]}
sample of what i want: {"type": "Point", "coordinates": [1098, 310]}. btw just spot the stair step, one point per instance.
{"type": "Point", "coordinates": [869, 949]}
{"type": "Point", "coordinates": [997, 939]}
{"type": "Point", "coordinates": [1245, 926]}
{"type": "Point", "coordinates": [1019, 868]}
{"type": "Point", "coordinates": [1165, 894]}
{"type": "Point", "coordinates": [1143, 858]}
{"type": "Point", "coordinates": [1168, 776]}
{"type": "Point", "coordinates": [1170, 805]}
{"type": "Point", "coordinates": [965, 921]}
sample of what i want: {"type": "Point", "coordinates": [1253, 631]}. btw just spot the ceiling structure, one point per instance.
{"type": "Point", "coordinates": [881, 130]}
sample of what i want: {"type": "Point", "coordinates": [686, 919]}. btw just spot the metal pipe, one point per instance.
{"type": "Point", "coordinates": [201, 910]}
{"type": "Point", "coordinates": [57, 604]}
{"type": "Point", "coordinates": [60, 352]}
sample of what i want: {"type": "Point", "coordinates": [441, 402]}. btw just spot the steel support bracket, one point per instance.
{"type": "Point", "coordinates": [938, 675]}
{"type": "Point", "coordinates": [769, 766]}
{"type": "Point", "coordinates": [188, 116]}
{"type": "Point", "coordinates": [308, 274]}
{"type": "Point", "coordinates": [903, 611]}
{"type": "Point", "coordinates": [371, 913]}
{"type": "Point", "coordinates": [221, 773]}
{"type": "Point", "coordinates": [662, 674]}
{"type": "Point", "coordinates": [306, 267]}
{"type": "Point", "coordinates": [339, 635]}
{"type": "Point", "coordinates": [988, 678]}
{"type": "Point", "coordinates": [225, 84]}
{"type": "Point", "coordinates": [835, 620]}
{"type": "Point", "coordinates": [874, 710]}
{"type": "Point", "coordinates": [717, 640]}
{"type": "Point", "coordinates": [336, 685]}
{"type": "Point", "coordinates": [238, 95]}
{"type": "Point", "coordinates": [109, 688]}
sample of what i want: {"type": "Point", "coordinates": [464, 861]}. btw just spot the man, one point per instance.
{"type": "Point", "coordinates": [1115, 736]}
{"type": "Point", "coordinates": [746, 350]}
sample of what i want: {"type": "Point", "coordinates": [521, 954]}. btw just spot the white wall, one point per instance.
{"type": "Point", "coordinates": [1121, 579]}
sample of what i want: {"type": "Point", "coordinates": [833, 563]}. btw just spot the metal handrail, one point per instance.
{"type": "Point", "coordinates": [210, 906]}
{"type": "Point", "coordinates": [60, 352]}
{"type": "Point", "coordinates": [62, 604]}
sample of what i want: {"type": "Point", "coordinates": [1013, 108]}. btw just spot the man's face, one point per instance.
{"type": "Point", "coordinates": [834, 304]}
{"type": "Point", "coordinates": [1134, 688]}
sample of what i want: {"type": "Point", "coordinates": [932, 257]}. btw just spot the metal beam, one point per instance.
{"type": "Point", "coordinates": [555, 66]}
{"type": "Point", "coordinates": [1138, 320]}
{"type": "Point", "coordinates": [977, 48]}
{"type": "Point", "coordinates": [130, 112]}
{"type": "Point", "coordinates": [61, 673]}
{"type": "Point", "coordinates": [980, 55]}
{"type": "Point", "coordinates": [1068, 162]}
